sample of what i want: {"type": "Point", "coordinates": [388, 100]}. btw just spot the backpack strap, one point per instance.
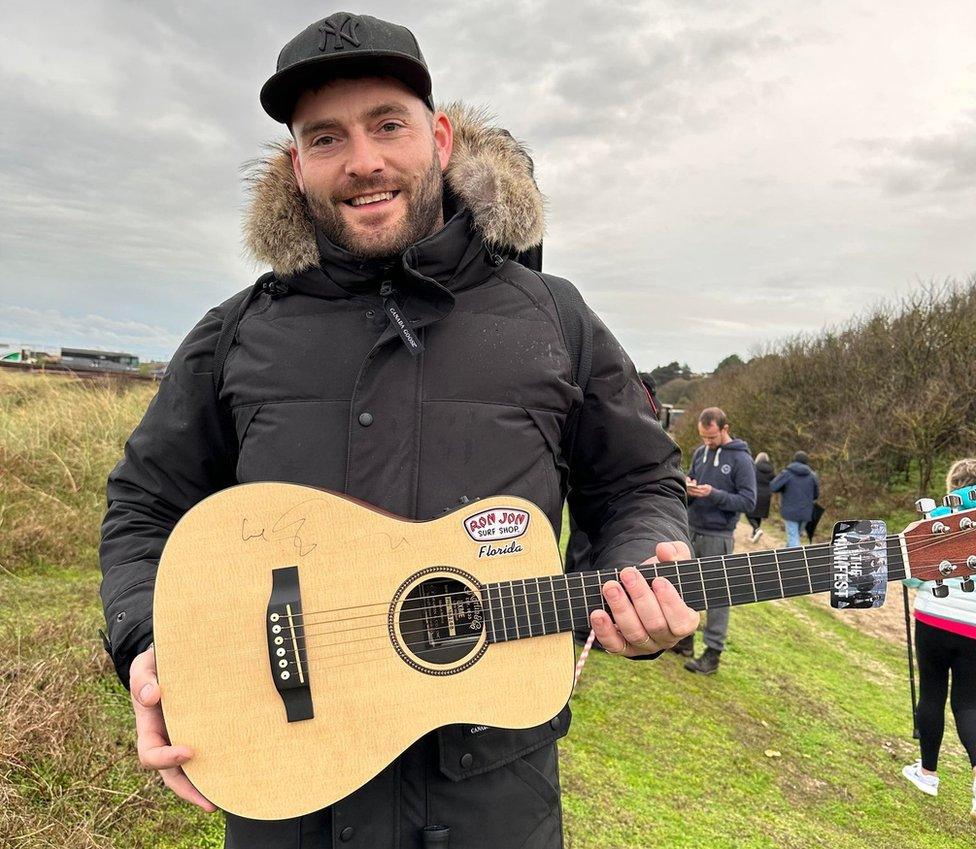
{"type": "Point", "coordinates": [577, 325]}
{"type": "Point", "coordinates": [232, 320]}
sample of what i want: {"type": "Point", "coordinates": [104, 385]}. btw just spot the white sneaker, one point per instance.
{"type": "Point", "coordinates": [926, 783]}
{"type": "Point", "coordinates": [756, 534]}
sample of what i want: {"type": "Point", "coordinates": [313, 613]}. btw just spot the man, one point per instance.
{"type": "Point", "coordinates": [721, 485]}
{"type": "Point", "coordinates": [799, 488]}
{"type": "Point", "coordinates": [400, 357]}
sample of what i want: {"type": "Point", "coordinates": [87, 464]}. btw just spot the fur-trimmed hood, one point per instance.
{"type": "Point", "coordinates": [490, 173]}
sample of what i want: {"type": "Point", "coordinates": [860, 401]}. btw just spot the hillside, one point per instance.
{"type": "Point", "coordinates": [798, 742]}
{"type": "Point", "coordinates": [881, 405]}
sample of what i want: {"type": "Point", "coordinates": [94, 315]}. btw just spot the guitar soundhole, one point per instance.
{"type": "Point", "coordinates": [440, 624]}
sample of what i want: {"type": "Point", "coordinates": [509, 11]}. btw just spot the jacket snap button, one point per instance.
{"type": "Point", "coordinates": [554, 722]}
{"type": "Point", "coordinates": [365, 419]}
{"type": "Point", "coordinates": [466, 760]}
{"type": "Point", "coordinates": [346, 834]}
{"type": "Point", "coordinates": [120, 617]}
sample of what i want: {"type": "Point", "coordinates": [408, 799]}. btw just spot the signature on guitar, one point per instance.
{"type": "Point", "coordinates": [288, 526]}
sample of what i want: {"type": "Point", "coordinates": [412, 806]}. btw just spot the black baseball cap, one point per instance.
{"type": "Point", "coordinates": [344, 44]}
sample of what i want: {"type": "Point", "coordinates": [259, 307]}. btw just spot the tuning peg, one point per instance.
{"type": "Point", "coordinates": [968, 585]}
{"type": "Point", "coordinates": [952, 501]}
{"type": "Point", "coordinates": [925, 506]}
{"type": "Point", "coordinates": [940, 590]}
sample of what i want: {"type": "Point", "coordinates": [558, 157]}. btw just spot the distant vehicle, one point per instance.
{"type": "Point", "coordinates": [84, 359]}
{"type": "Point", "coordinates": [669, 416]}
{"type": "Point", "coordinates": [15, 354]}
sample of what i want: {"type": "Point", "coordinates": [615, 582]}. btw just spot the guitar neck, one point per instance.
{"type": "Point", "coordinates": [536, 607]}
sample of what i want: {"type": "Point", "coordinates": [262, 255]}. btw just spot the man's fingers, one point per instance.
{"type": "Point", "coordinates": [163, 757]}
{"type": "Point", "coordinates": [147, 693]}
{"type": "Point", "coordinates": [176, 780]}
{"type": "Point", "coordinates": [607, 633]}
{"type": "Point", "coordinates": [624, 615]}
{"type": "Point", "coordinates": [681, 619]}
{"type": "Point", "coordinates": [651, 622]}
{"type": "Point", "coordinates": [667, 552]}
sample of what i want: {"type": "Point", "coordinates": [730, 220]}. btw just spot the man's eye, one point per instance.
{"type": "Point", "coordinates": [323, 141]}
{"type": "Point", "coordinates": [390, 127]}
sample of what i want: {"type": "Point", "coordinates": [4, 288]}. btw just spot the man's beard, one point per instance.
{"type": "Point", "coordinates": [423, 213]}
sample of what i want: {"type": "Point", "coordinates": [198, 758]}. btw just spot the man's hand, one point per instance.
{"type": "Point", "coordinates": [699, 490]}
{"type": "Point", "coordinates": [152, 741]}
{"type": "Point", "coordinates": [646, 617]}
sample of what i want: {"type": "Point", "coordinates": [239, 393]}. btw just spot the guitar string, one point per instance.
{"type": "Point", "coordinates": [527, 615]}
{"type": "Point", "coordinates": [815, 556]}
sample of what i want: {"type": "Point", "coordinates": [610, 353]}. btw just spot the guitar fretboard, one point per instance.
{"type": "Point", "coordinates": [535, 607]}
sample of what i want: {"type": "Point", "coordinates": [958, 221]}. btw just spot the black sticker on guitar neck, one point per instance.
{"type": "Point", "coordinates": [859, 576]}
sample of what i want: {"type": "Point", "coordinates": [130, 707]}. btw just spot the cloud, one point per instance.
{"type": "Point", "coordinates": [696, 156]}
{"type": "Point", "coordinates": [937, 162]}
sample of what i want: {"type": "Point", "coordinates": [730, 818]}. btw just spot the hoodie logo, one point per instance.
{"type": "Point", "coordinates": [726, 468]}
{"type": "Point", "coordinates": [341, 29]}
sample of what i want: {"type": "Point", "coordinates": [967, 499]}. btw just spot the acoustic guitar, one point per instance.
{"type": "Point", "coordinates": [304, 639]}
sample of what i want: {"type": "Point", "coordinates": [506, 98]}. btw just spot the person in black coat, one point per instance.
{"type": "Point", "coordinates": [764, 474]}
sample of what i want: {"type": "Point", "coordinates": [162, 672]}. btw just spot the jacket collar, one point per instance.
{"type": "Point", "coordinates": [492, 208]}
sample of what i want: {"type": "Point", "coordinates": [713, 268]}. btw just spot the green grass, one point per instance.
{"type": "Point", "coordinates": [656, 757]}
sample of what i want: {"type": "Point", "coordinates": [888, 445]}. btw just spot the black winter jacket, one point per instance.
{"type": "Point", "coordinates": [318, 389]}
{"type": "Point", "coordinates": [764, 474]}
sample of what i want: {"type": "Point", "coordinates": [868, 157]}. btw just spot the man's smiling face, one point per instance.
{"type": "Point", "coordinates": [369, 157]}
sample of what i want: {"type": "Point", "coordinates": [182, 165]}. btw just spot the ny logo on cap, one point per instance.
{"type": "Point", "coordinates": [341, 28]}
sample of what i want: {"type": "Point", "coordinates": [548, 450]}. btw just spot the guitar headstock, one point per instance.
{"type": "Point", "coordinates": [943, 544]}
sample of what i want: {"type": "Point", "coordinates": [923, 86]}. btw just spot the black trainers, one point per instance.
{"type": "Point", "coordinates": [707, 664]}
{"type": "Point", "coordinates": [685, 647]}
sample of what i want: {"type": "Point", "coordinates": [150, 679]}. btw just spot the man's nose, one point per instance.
{"type": "Point", "coordinates": [363, 156]}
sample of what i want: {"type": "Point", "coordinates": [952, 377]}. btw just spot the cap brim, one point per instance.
{"type": "Point", "coordinates": [280, 93]}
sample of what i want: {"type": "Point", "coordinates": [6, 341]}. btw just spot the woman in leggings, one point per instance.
{"type": "Point", "coordinates": [945, 641]}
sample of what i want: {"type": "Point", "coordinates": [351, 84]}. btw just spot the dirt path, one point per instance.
{"type": "Point", "coordinates": [886, 622]}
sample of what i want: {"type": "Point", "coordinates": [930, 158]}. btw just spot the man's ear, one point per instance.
{"type": "Point", "coordinates": [296, 166]}
{"type": "Point", "coordinates": [443, 138]}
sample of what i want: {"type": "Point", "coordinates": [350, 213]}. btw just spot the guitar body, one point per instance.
{"type": "Point", "coordinates": [304, 640]}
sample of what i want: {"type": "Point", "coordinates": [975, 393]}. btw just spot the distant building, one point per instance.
{"type": "Point", "coordinates": [83, 359]}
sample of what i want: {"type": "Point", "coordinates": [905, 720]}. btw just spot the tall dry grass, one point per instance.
{"type": "Point", "coordinates": [69, 777]}
{"type": "Point", "coordinates": [59, 438]}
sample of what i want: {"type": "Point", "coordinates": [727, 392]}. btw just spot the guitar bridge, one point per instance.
{"type": "Point", "coordinates": [286, 644]}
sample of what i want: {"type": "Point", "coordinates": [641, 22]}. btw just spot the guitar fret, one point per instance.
{"type": "Point", "coordinates": [738, 576]}
{"type": "Point", "coordinates": [806, 563]}
{"type": "Point", "coordinates": [714, 583]}
{"type": "Point", "coordinates": [779, 573]}
{"type": "Point", "coordinates": [555, 607]}
{"type": "Point", "coordinates": [528, 616]}
{"type": "Point", "coordinates": [752, 577]}
{"type": "Point", "coordinates": [511, 592]}
{"type": "Point", "coordinates": [491, 613]}
{"type": "Point", "coordinates": [702, 576]}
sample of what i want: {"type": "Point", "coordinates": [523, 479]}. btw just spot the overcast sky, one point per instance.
{"type": "Point", "coordinates": [719, 174]}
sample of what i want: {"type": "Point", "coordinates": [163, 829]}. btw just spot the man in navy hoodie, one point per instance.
{"type": "Point", "coordinates": [721, 485]}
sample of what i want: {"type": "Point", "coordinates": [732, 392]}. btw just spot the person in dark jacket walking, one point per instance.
{"type": "Point", "coordinates": [764, 474]}
{"type": "Point", "coordinates": [799, 488]}
{"type": "Point", "coordinates": [721, 485]}
{"type": "Point", "coordinates": [399, 356]}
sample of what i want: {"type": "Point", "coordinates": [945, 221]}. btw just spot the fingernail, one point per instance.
{"type": "Point", "coordinates": [145, 691]}
{"type": "Point", "coordinates": [611, 591]}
